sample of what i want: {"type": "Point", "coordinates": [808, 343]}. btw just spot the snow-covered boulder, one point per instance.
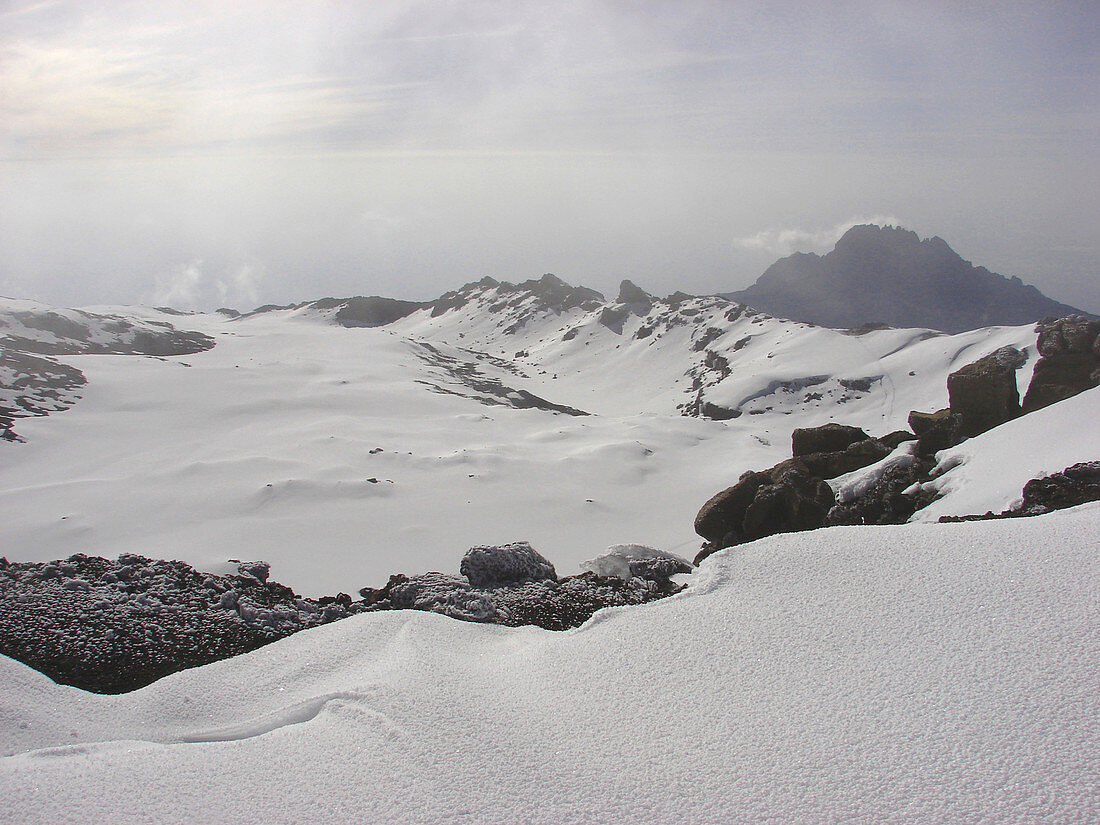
{"type": "Point", "coordinates": [495, 566]}
{"type": "Point", "coordinates": [625, 561]}
{"type": "Point", "coordinates": [440, 593]}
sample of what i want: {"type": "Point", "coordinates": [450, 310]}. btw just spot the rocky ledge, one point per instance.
{"type": "Point", "coordinates": [115, 626]}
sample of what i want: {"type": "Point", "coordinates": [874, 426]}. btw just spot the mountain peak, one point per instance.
{"type": "Point", "coordinates": [888, 274]}
{"type": "Point", "coordinates": [631, 293]}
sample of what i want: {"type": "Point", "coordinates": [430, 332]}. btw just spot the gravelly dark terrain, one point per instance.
{"type": "Point", "coordinates": [115, 626]}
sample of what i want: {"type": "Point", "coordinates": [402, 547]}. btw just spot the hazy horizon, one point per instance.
{"type": "Point", "coordinates": [200, 155]}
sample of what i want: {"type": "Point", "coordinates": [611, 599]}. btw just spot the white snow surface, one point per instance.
{"type": "Point", "coordinates": [988, 472]}
{"type": "Point", "coordinates": [344, 455]}
{"type": "Point", "coordinates": [936, 673]}
{"type": "Point", "coordinates": [920, 673]}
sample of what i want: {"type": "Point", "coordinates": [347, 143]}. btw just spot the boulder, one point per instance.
{"type": "Point", "coordinates": [719, 520]}
{"type": "Point", "coordinates": [440, 593]}
{"type": "Point", "coordinates": [787, 508]}
{"type": "Point", "coordinates": [828, 438]}
{"type": "Point", "coordinates": [897, 437]}
{"type": "Point", "coordinates": [857, 455]}
{"type": "Point", "coordinates": [983, 394]}
{"type": "Point", "coordinates": [1069, 362]}
{"type": "Point", "coordinates": [891, 500]}
{"type": "Point", "coordinates": [627, 561]}
{"type": "Point", "coordinates": [935, 431]}
{"type": "Point", "coordinates": [784, 499]}
{"type": "Point", "coordinates": [1075, 485]}
{"type": "Point", "coordinates": [496, 566]}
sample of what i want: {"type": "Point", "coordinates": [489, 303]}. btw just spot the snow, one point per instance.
{"type": "Point", "coordinates": [342, 456]}
{"type": "Point", "coordinates": [909, 674]}
{"type": "Point", "coordinates": [919, 673]}
{"type": "Point", "coordinates": [988, 472]}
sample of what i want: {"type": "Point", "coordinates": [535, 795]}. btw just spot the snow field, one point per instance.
{"type": "Point", "coordinates": [918, 673]}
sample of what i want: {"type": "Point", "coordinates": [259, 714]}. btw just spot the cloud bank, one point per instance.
{"type": "Point", "coordinates": [786, 241]}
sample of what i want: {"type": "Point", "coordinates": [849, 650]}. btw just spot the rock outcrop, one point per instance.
{"type": "Point", "coordinates": [983, 394]}
{"type": "Point", "coordinates": [1078, 484]}
{"type": "Point", "coordinates": [507, 564]}
{"type": "Point", "coordinates": [1069, 361]}
{"type": "Point", "coordinates": [829, 438]}
{"type": "Point", "coordinates": [514, 585]}
{"type": "Point", "coordinates": [793, 495]}
{"type": "Point", "coordinates": [115, 626]}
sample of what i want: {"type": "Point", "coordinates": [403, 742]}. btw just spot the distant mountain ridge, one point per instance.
{"type": "Point", "coordinates": [888, 274]}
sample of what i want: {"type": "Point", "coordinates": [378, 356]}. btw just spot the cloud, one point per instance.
{"type": "Point", "coordinates": [188, 286]}
{"type": "Point", "coordinates": [786, 241]}
{"type": "Point", "coordinates": [178, 288]}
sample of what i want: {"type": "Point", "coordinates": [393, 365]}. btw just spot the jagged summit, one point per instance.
{"type": "Point", "coordinates": [889, 274]}
{"type": "Point", "coordinates": [630, 293]}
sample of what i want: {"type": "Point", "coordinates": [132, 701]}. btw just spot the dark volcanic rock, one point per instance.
{"type": "Point", "coordinates": [1075, 485]}
{"type": "Point", "coordinates": [629, 293]}
{"type": "Point", "coordinates": [886, 502]}
{"type": "Point", "coordinates": [859, 454]}
{"type": "Point", "coordinates": [613, 317]}
{"type": "Point", "coordinates": [507, 564]}
{"type": "Point", "coordinates": [40, 385]}
{"type": "Point", "coordinates": [720, 520]}
{"type": "Point", "coordinates": [374, 311]}
{"type": "Point", "coordinates": [935, 431]}
{"type": "Point", "coordinates": [983, 394]}
{"type": "Point", "coordinates": [515, 588]}
{"type": "Point", "coordinates": [890, 275]}
{"type": "Point", "coordinates": [788, 507]}
{"type": "Point", "coordinates": [784, 499]}
{"type": "Point", "coordinates": [828, 438]}
{"type": "Point", "coordinates": [1069, 362]}
{"type": "Point", "coordinates": [117, 335]}
{"type": "Point", "coordinates": [560, 605]}
{"type": "Point", "coordinates": [114, 626]}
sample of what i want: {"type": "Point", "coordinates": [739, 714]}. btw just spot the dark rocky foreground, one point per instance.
{"type": "Point", "coordinates": [115, 626]}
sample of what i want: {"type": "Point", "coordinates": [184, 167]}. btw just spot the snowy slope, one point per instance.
{"type": "Point", "coordinates": [265, 447]}
{"type": "Point", "coordinates": [344, 455]}
{"type": "Point", "coordinates": [988, 472]}
{"type": "Point", "coordinates": [674, 354]}
{"type": "Point", "coordinates": [911, 674]}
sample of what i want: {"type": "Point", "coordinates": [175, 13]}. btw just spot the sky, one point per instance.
{"type": "Point", "coordinates": [204, 154]}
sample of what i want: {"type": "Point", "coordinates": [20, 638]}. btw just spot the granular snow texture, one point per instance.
{"type": "Point", "coordinates": [921, 673]}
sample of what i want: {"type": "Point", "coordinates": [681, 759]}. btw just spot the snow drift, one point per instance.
{"type": "Point", "coordinates": [906, 674]}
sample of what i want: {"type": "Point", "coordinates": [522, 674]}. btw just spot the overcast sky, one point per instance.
{"type": "Point", "coordinates": [236, 153]}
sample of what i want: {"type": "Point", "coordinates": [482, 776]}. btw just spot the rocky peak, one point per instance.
{"type": "Point", "coordinates": [630, 293]}
{"type": "Point", "coordinates": [555, 294]}
{"type": "Point", "coordinates": [888, 274]}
